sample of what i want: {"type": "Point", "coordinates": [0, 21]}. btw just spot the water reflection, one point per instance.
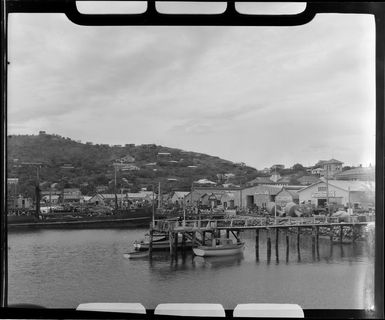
{"type": "Point", "coordinates": [219, 262]}
{"type": "Point", "coordinates": [38, 259]}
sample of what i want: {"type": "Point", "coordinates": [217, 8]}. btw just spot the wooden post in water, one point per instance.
{"type": "Point", "coordinates": [238, 233]}
{"type": "Point", "coordinates": [287, 245]}
{"type": "Point", "coordinates": [353, 233]}
{"type": "Point", "coordinates": [331, 234]}
{"type": "Point", "coordinates": [257, 244]}
{"type": "Point", "coordinates": [203, 238]}
{"type": "Point", "coordinates": [227, 233]}
{"type": "Point", "coordinates": [276, 243]}
{"type": "Point", "coordinates": [341, 233]}
{"type": "Point", "coordinates": [150, 244]}
{"type": "Point", "coordinates": [268, 245]}
{"type": "Point", "coordinates": [317, 240]}
{"type": "Point", "coordinates": [183, 242]}
{"type": "Point", "coordinates": [176, 244]}
{"type": "Point", "coordinates": [298, 243]}
{"type": "Point", "coordinates": [313, 242]}
{"type": "Point", "coordinates": [171, 243]}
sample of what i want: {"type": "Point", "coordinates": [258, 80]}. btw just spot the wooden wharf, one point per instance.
{"type": "Point", "coordinates": [197, 231]}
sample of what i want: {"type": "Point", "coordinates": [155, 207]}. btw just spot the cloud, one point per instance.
{"type": "Point", "coordinates": [265, 92]}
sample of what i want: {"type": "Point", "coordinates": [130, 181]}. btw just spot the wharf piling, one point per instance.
{"type": "Point", "coordinates": [256, 244]}
{"type": "Point", "coordinates": [287, 246]}
{"type": "Point", "coordinates": [268, 245]}
{"type": "Point", "coordinates": [197, 232]}
{"type": "Point", "coordinates": [298, 243]}
{"type": "Point", "coordinates": [276, 244]}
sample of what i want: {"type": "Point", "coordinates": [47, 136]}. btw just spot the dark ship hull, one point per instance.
{"type": "Point", "coordinates": [140, 217]}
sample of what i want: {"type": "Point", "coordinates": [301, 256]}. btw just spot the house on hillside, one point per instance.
{"type": "Point", "coordinates": [285, 180]}
{"type": "Point", "coordinates": [51, 199]}
{"type": "Point", "coordinates": [275, 177]}
{"type": "Point", "coordinates": [100, 189]}
{"type": "Point", "coordinates": [71, 195]}
{"type": "Point", "coordinates": [308, 180]}
{"type": "Point", "coordinates": [330, 167]}
{"type": "Point", "coordinates": [277, 167]}
{"type": "Point", "coordinates": [317, 171]}
{"type": "Point", "coordinates": [360, 174]}
{"type": "Point", "coordinates": [128, 159]}
{"type": "Point", "coordinates": [259, 180]}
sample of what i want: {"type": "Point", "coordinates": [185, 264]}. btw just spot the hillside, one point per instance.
{"type": "Point", "coordinates": [71, 163]}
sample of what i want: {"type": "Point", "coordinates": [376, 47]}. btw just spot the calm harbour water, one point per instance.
{"type": "Point", "coordinates": [62, 268]}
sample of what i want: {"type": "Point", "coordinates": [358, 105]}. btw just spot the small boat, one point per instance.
{"type": "Point", "coordinates": [160, 243]}
{"type": "Point", "coordinates": [136, 254]}
{"type": "Point", "coordinates": [220, 247]}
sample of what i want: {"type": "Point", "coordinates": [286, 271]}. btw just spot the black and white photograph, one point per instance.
{"type": "Point", "coordinates": [228, 166]}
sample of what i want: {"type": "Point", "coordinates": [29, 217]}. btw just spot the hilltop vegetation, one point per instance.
{"type": "Point", "coordinates": [70, 163]}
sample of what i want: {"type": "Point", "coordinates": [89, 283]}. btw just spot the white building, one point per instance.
{"type": "Point", "coordinates": [353, 193]}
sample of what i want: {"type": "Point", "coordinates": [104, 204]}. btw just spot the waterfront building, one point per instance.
{"type": "Point", "coordinates": [19, 202]}
{"type": "Point", "coordinates": [228, 200]}
{"type": "Point", "coordinates": [211, 200]}
{"type": "Point", "coordinates": [285, 196]}
{"type": "Point", "coordinates": [356, 194]}
{"type": "Point", "coordinates": [259, 195]}
{"type": "Point", "coordinates": [108, 199]}
{"type": "Point", "coordinates": [177, 197]}
{"type": "Point", "coordinates": [232, 195]}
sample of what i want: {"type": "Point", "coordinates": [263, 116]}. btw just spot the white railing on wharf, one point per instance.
{"type": "Point", "coordinates": [248, 222]}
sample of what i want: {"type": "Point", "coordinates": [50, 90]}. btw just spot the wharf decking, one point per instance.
{"type": "Point", "coordinates": [251, 223]}
{"type": "Point", "coordinates": [199, 231]}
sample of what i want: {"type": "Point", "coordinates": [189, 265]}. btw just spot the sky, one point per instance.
{"type": "Point", "coordinates": [259, 95]}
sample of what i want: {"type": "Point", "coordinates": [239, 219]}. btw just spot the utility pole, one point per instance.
{"type": "Point", "coordinates": [153, 207]}
{"type": "Point", "coordinates": [159, 197]}
{"type": "Point", "coordinates": [327, 188]}
{"type": "Point", "coordinates": [37, 165]}
{"type": "Point", "coordinates": [37, 192]}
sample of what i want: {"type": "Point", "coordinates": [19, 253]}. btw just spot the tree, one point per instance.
{"type": "Point", "coordinates": [298, 167]}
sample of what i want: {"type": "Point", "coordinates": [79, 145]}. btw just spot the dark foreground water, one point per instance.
{"type": "Point", "coordinates": [62, 268]}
